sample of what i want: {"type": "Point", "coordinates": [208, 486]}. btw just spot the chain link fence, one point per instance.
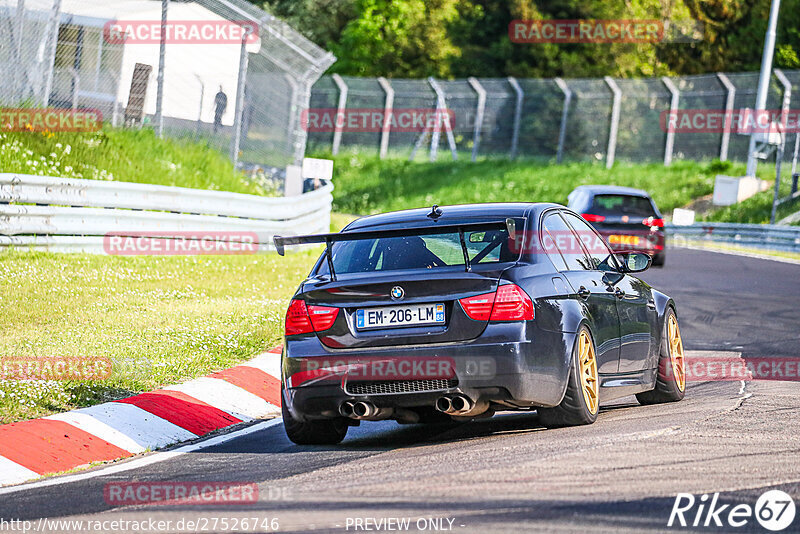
{"type": "Point", "coordinates": [105, 55]}
{"type": "Point", "coordinates": [554, 119]}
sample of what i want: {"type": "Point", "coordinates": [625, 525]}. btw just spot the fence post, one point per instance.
{"type": "Point", "coordinates": [18, 73]}
{"type": "Point", "coordinates": [442, 117]}
{"type": "Point", "coordinates": [294, 109]}
{"type": "Point", "coordinates": [239, 104]}
{"type": "Point", "coordinates": [517, 116]}
{"type": "Point", "coordinates": [479, 111]}
{"type": "Point", "coordinates": [562, 132]}
{"type": "Point", "coordinates": [340, 109]}
{"type": "Point", "coordinates": [162, 50]}
{"type": "Point", "coordinates": [673, 109]}
{"type": "Point", "coordinates": [387, 115]}
{"type": "Point", "coordinates": [52, 39]}
{"type": "Point", "coordinates": [787, 96]}
{"type": "Point", "coordinates": [728, 118]}
{"type": "Point", "coordinates": [76, 84]}
{"type": "Point", "coordinates": [615, 109]}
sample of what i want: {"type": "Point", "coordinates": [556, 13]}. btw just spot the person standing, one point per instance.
{"type": "Point", "coordinates": [220, 104]}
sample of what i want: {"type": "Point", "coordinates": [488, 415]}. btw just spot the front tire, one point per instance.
{"type": "Point", "coordinates": [581, 401]}
{"type": "Point", "coordinates": [671, 380]}
{"type": "Point", "coordinates": [323, 432]}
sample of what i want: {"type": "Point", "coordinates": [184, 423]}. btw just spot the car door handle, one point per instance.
{"type": "Point", "coordinates": [619, 293]}
{"type": "Point", "coordinates": [583, 293]}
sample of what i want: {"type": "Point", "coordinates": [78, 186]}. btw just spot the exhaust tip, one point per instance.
{"type": "Point", "coordinates": [363, 409]}
{"type": "Point", "coordinates": [461, 404]}
{"type": "Point", "coordinates": [346, 409]}
{"type": "Point", "coordinates": [443, 404]}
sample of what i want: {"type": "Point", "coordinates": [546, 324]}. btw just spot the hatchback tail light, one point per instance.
{"type": "Point", "coordinates": [302, 319]}
{"type": "Point", "coordinates": [652, 221]}
{"type": "Point", "coordinates": [508, 303]}
{"type": "Point", "coordinates": [591, 217]}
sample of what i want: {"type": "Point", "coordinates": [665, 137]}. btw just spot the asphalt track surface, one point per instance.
{"type": "Point", "coordinates": [508, 474]}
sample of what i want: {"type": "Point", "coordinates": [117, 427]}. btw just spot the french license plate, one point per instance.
{"type": "Point", "coordinates": [396, 316]}
{"type": "Point", "coordinates": [623, 239]}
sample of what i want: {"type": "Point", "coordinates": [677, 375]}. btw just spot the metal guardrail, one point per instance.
{"type": "Point", "coordinates": [71, 215]}
{"type": "Point", "coordinates": [761, 236]}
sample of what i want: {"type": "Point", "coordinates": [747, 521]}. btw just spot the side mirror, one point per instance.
{"type": "Point", "coordinates": [635, 262]}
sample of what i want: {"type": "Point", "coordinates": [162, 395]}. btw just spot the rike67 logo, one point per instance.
{"type": "Point", "coordinates": [774, 510]}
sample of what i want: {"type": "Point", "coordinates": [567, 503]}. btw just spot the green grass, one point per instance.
{"type": "Point", "coordinates": [366, 184]}
{"type": "Point", "coordinates": [757, 209]}
{"type": "Point", "coordinates": [158, 319]}
{"type": "Point", "coordinates": [128, 155]}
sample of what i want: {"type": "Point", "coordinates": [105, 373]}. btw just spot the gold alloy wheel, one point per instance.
{"type": "Point", "coordinates": [588, 368]}
{"type": "Point", "coordinates": [676, 352]}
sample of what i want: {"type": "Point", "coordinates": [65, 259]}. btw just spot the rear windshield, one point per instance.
{"type": "Point", "coordinates": [418, 252]}
{"type": "Point", "coordinates": [622, 205]}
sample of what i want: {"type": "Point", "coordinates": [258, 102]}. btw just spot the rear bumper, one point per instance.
{"type": "Point", "coordinates": [646, 242]}
{"type": "Point", "coordinates": [529, 372]}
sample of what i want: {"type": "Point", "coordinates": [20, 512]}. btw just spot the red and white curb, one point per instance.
{"type": "Point", "coordinates": [122, 428]}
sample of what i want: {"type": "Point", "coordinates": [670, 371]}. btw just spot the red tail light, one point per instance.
{"type": "Point", "coordinates": [302, 319]}
{"type": "Point", "coordinates": [591, 217]}
{"type": "Point", "coordinates": [297, 320]}
{"type": "Point", "coordinates": [512, 304]}
{"type": "Point", "coordinates": [650, 221]}
{"type": "Point", "coordinates": [509, 303]}
{"type": "Point", "coordinates": [478, 307]}
{"type": "Point", "coordinates": [322, 317]}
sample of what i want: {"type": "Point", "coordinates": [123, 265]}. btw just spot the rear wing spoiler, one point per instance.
{"type": "Point", "coordinates": [460, 229]}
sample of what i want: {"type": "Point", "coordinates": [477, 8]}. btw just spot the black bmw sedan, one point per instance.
{"type": "Point", "coordinates": [462, 311]}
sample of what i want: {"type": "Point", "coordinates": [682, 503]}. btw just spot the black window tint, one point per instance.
{"type": "Point", "coordinates": [419, 252]}
{"type": "Point", "coordinates": [622, 205]}
{"type": "Point", "coordinates": [549, 247]}
{"type": "Point", "coordinates": [565, 240]}
{"type": "Point", "coordinates": [601, 256]}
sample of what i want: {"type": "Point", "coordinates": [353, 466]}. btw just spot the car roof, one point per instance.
{"type": "Point", "coordinates": [452, 214]}
{"type": "Point", "coordinates": [611, 189]}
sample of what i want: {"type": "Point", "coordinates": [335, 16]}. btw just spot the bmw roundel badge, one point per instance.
{"type": "Point", "coordinates": [397, 292]}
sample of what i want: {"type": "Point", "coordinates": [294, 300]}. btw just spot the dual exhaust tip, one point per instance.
{"type": "Point", "coordinates": [358, 410]}
{"type": "Point", "coordinates": [454, 405]}
{"type": "Point", "coordinates": [451, 405]}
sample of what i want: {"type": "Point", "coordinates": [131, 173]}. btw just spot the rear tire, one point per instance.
{"type": "Point", "coordinates": [323, 432]}
{"type": "Point", "coordinates": [658, 260]}
{"type": "Point", "coordinates": [581, 402]}
{"type": "Point", "coordinates": [671, 380]}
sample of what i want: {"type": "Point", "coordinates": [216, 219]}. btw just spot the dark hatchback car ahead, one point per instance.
{"type": "Point", "coordinates": [458, 312]}
{"type": "Point", "coordinates": [628, 218]}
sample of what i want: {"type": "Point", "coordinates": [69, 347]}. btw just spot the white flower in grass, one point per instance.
{"type": "Point", "coordinates": [67, 149]}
